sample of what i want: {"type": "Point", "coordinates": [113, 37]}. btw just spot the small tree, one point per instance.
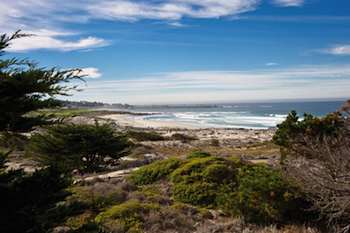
{"type": "Point", "coordinates": [83, 147]}
{"type": "Point", "coordinates": [24, 87]}
{"type": "Point", "coordinates": [26, 199]}
{"type": "Point", "coordinates": [318, 158]}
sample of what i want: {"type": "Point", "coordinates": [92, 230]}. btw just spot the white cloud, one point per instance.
{"type": "Point", "coordinates": [177, 24]}
{"type": "Point", "coordinates": [168, 9]}
{"type": "Point", "coordinates": [289, 3]}
{"type": "Point", "coordinates": [219, 86]}
{"type": "Point", "coordinates": [339, 50]}
{"type": "Point", "coordinates": [46, 18]}
{"type": "Point", "coordinates": [40, 18]}
{"type": "Point", "coordinates": [271, 64]}
{"type": "Point", "coordinates": [51, 42]}
{"type": "Point", "coordinates": [90, 72]}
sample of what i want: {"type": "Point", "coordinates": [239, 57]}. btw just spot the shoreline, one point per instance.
{"type": "Point", "coordinates": [126, 119]}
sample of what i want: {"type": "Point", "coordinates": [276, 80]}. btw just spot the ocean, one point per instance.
{"type": "Point", "coordinates": [237, 115]}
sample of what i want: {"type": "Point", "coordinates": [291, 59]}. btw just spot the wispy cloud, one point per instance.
{"type": "Point", "coordinates": [90, 72]}
{"type": "Point", "coordinates": [51, 42]}
{"type": "Point", "coordinates": [271, 64]}
{"type": "Point", "coordinates": [341, 50]}
{"type": "Point", "coordinates": [216, 86]}
{"type": "Point", "coordinates": [289, 3]}
{"type": "Point", "coordinates": [168, 9]}
{"type": "Point", "coordinates": [47, 18]}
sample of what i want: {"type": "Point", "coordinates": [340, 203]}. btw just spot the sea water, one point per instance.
{"type": "Point", "coordinates": [237, 115]}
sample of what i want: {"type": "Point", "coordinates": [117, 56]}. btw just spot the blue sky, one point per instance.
{"type": "Point", "coordinates": [190, 51]}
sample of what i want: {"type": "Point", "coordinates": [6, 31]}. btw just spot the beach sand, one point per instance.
{"type": "Point", "coordinates": [126, 120]}
{"type": "Point", "coordinates": [226, 136]}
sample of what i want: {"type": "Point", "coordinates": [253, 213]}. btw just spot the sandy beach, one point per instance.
{"type": "Point", "coordinates": [226, 136]}
{"type": "Point", "coordinates": [128, 120]}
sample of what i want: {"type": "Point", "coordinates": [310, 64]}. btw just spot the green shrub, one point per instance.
{"type": "Point", "coordinates": [97, 196]}
{"type": "Point", "coordinates": [27, 198]}
{"type": "Point", "coordinates": [293, 127]}
{"type": "Point", "coordinates": [13, 141]}
{"type": "Point", "coordinates": [219, 173]}
{"type": "Point", "coordinates": [257, 192]}
{"type": "Point", "coordinates": [155, 171]}
{"type": "Point", "coordinates": [129, 215]}
{"type": "Point", "coordinates": [3, 158]}
{"type": "Point", "coordinates": [193, 168]}
{"type": "Point", "coordinates": [197, 193]}
{"type": "Point", "coordinates": [200, 180]}
{"type": "Point", "coordinates": [183, 137]}
{"type": "Point", "coordinates": [82, 147]}
{"type": "Point", "coordinates": [198, 154]}
{"type": "Point", "coordinates": [263, 196]}
{"type": "Point", "coordinates": [142, 136]}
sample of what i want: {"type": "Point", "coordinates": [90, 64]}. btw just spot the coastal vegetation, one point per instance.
{"type": "Point", "coordinates": [25, 87]}
{"type": "Point", "coordinates": [316, 155]}
{"type": "Point", "coordinates": [82, 147]}
{"type": "Point", "coordinates": [77, 185]}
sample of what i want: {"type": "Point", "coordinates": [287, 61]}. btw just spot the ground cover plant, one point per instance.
{"type": "Point", "coordinates": [257, 192]}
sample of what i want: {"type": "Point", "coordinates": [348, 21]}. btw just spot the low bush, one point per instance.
{"type": "Point", "coordinates": [258, 193]}
{"type": "Point", "coordinates": [197, 193]}
{"type": "Point", "coordinates": [129, 216]}
{"type": "Point", "coordinates": [192, 169]}
{"type": "Point", "coordinates": [13, 141]}
{"type": "Point", "coordinates": [183, 137]}
{"type": "Point", "coordinates": [200, 180]}
{"type": "Point", "coordinates": [316, 156]}
{"type": "Point", "coordinates": [155, 171]}
{"type": "Point", "coordinates": [264, 196]}
{"type": "Point", "coordinates": [98, 196]}
{"type": "Point", "coordinates": [198, 154]}
{"type": "Point", "coordinates": [142, 136]}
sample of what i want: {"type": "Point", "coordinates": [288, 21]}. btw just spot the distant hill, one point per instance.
{"type": "Point", "coordinates": [87, 104]}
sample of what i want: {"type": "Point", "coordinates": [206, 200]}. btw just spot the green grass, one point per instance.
{"type": "Point", "coordinates": [61, 112]}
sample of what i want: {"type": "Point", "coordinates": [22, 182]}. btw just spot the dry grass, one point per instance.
{"type": "Point", "coordinates": [266, 150]}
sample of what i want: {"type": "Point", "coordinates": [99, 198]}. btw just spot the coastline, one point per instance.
{"type": "Point", "coordinates": [135, 120]}
{"type": "Point", "coordinates": [131, 120]}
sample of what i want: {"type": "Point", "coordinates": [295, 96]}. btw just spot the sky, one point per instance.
{"type": "Point", "coordinates": [189, 51]}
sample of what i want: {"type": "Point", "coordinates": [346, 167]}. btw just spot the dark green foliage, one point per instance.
{"type": "Point", "coordinates": [200, 180]}
{"type": "Point", "coordinates": [200, 193]}
{"type": "Point", "coordinates": [264, 196]}
{"type": "Point", "coordinates": [129, 216]}
{"type": "Point", "coordinates": [25, 199]}
{"type": "Point", "coordinates": [198, 154]}
{"type": "Point", "coordinates": [316, 156]}
{"type": "Point", "coordinates": [196, 168]}
{"type": "Point", "coordinates": [24, 87]}
{"type": "Point", "coordinates": [258, 193]}
{"type": "Point", "coordinates": [3, 158]}
{"type": "Point", "coordinates": [155, 171]}
{"type": "Point", "coordinates": [183, 137]}
{"type": "Point", "coordinates": [12, 140]}
{"type": "Point", "coordinates": [293, 128]}
{"type": "Point", "coordinates": [145, 136]}
{"type": "Point", "coordinates": [82, 147]}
